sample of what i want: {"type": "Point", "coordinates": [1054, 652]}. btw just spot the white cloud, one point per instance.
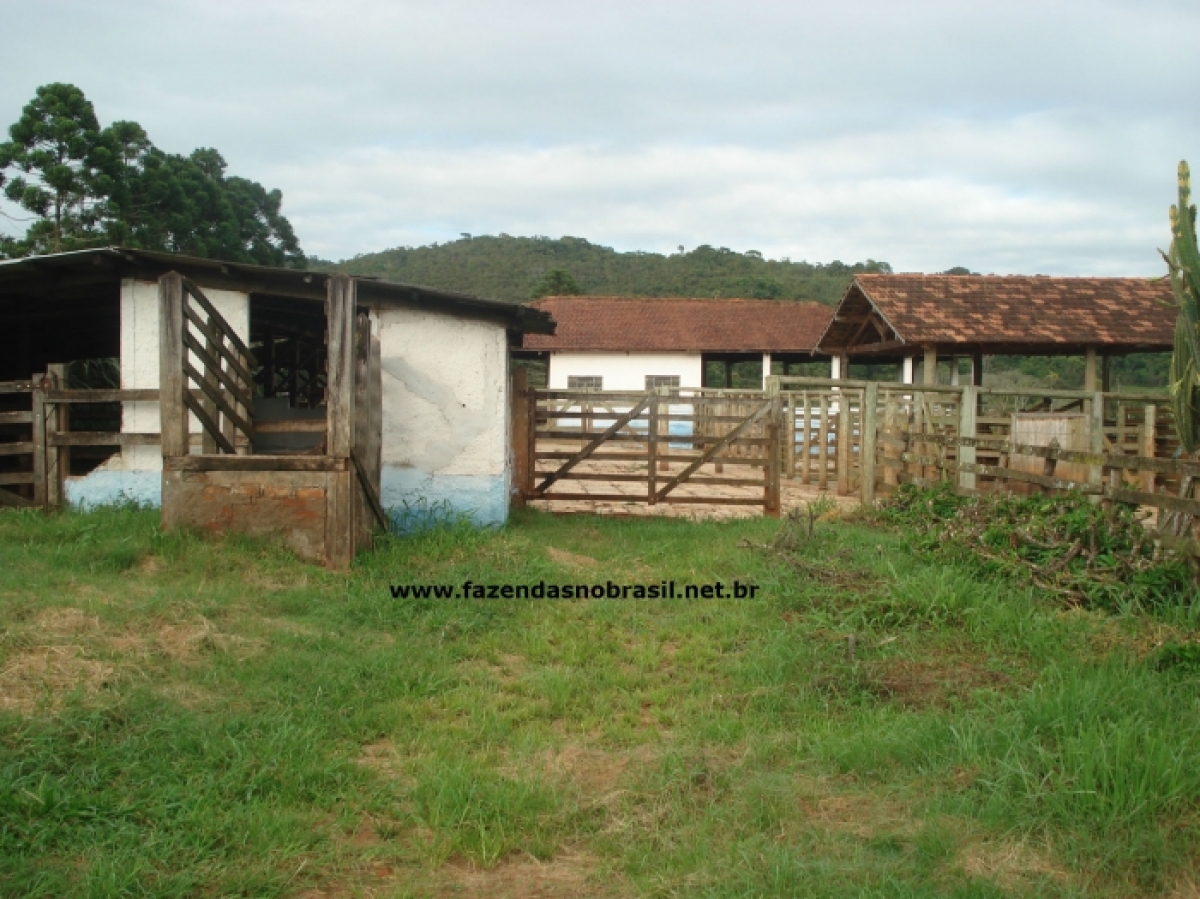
{"type": "Point", "coordinates": [1010, 135]}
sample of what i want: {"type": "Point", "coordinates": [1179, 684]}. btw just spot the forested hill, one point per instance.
{"type": "Point", "coordinates": [509, 268]}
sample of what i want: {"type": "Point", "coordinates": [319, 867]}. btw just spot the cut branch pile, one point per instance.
{"type": "Point", "coordinates": [1087, 553]}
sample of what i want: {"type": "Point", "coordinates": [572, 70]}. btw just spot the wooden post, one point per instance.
{"type": "Point", "coordinates": [172, 383]}
{"type": "Point", "coordinates": [1096, 438]}
{"type": "Point", "coordinates": [771, 490]}
{"type": "Point", "coordinates": [652, 451]}
{"type": "Point", "coordinates": [663, 428]}
{"type": "Point", "coordinates": [208, 442]}
{"type": "Point", "coordinates": [518, 435]}
{"type": "Point", "coordinates": [977, 370]}
{"type": "Point", "coordinates": [58, 459]}
{"type": "Point", "coordinates": [868, 423]}
{"type": "Point", "coordinates": [1089, 370]}
{"type": "Point", "coordinates": [339, 376]}
{"type": "Point", "coordinates": [823, 443]}
{"type": "Point", "coordinates": [907, 370]}
{"type": "Point", "coordinates": [789, 436]}
{"type": "Point", "coordinates": [805, 438]}
{"type": "Point", "coordinates": [340, 309]}
{"type": "Point", "coordinates": [38, 395]}
{"type": "Point", "coordinates": [845, 437]}
{"type": "Point", "coordinates": [766, 369]}
{"type": "Point", "coordinates": [967, 406]}
{"type": "Point", "coordinates": [1106, 373]}
{"type": "Point", "coordinates": [891, 416]}
{"type": "Point", "coordinates": [1148, 445]}
{"type": "Point", "coordinates": [929, 375]}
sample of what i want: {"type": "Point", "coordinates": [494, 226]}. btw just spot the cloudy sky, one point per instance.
{"type": "Point", "coordinates": [1036, 136]}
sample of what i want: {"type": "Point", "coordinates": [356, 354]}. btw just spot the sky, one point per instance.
{"type": "Point", "coordinates": [1035, 137]}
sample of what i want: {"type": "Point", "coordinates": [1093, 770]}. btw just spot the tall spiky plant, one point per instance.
{"type": "Point", "coordinates": [1184, 263]}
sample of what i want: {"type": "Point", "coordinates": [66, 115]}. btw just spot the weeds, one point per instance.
{"type": "Point", "coordinates": [1100, 555]}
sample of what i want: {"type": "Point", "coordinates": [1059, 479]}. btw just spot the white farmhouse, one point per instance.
{"type": "Point", "coordinates": [637, 343]}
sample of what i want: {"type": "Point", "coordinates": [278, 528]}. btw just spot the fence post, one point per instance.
{"type": "Point", "coordinates": [773, 460]}
{"type": "Point", "coordinates": [1148, 445]}
{"type": "Point", "coordinates": [38, 396]}
{"type": "Point", "coordinates": [518, 411]}
{"type": "Point", "coordinates": [868, 425]}
{"type": "Point", "coordinates": [1096, 440]}
{"type": "Point", "coordinates": [790, 441]}
{"type": "Point", "coordinates": [58, 459]}
{"type": "Point", "coordinates": [967, 407]}
{"type": "Point", "coordinates": [845, 437]}
{"type": "Point", "coordinates": [652, 450]}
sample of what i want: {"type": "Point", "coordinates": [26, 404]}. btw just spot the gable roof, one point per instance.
{"type": "Point", "coordinates": [681, 324]}
{"type": "Point", "coordinates": [1015, 314]}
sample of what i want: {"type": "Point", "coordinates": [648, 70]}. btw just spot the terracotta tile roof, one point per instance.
{"type": "Point", "coordinates": [681, 325]}
{"type": "Point", "coordinates": [994, 311]}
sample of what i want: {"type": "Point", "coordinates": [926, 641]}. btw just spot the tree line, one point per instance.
{"type": "Point", "coordinates": [83, 185]}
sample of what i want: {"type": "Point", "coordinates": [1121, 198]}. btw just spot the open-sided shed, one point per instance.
{"type": "Point", "coordinates": [265, 399]}
{"type": "Point", "coordinates": [906, 318]}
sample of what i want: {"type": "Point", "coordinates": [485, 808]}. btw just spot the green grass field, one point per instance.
{"type": "Point", "coordinates": [186, 717]}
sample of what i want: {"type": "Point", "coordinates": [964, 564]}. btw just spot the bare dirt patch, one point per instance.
{"type": "Point", "coordinates": [922, 684]}
{"type": "Point", "coordinates": [570, 559]}
{"type": "Point", "coordinates": [861, 814]}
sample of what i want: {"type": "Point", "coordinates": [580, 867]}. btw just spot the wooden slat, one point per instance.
{"type": "Point", "coordinates": [16, 386]}
{"type": "Point", "coordinates": [292, 426]}
{"type": "Point", "coordinates": [101, 396]}
{"type": "Point", "coordinates": [593, 497]}
{"type": "Point", "coordinates": [368, 488]}
{"type": "Point", "coordinates": [256, 463]}
{"type": "Point", "coordinates": [594, 444]}
{"type": "Point", "coordinates": [17, 477]}
{"type": "Point", "coordinates": [728, 439]}
{"type": "Point", "coordinates": [8, 498]}
{"type": "Point", "coordinates": [102, 438]}
{"type": "Point", "coordinates": [218, 399]}
{"type": "Point", "coordinates": [227, 329]}
{"type": "Point", "coordinates": [212, 366]}
{"type": "Point", "coordinates": [16, 418]}
{"type": "Point", "coordinates": [213, 336]}
{"type": "Point", "coordinates": [20, 448]}
{"type": "Point", "coordinates": [40, 489]}
{"type": "Point", "coordinates": [206, 422]}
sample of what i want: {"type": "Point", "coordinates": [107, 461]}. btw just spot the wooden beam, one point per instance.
{"type": "Point", "coordinates": [339, 372]}
{"type": "Point", "coordinates": [171, 379]}
{"type": "Point", "coordinates": [1089, 370]}
{"type": "Point", "coordinates": [930, 366]}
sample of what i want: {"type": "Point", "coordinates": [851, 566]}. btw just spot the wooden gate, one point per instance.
{"type": "Point", "coordinates": [664, 446]}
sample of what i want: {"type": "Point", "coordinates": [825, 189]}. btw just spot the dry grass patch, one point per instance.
{"type": "Point", "coordinates": [928, 683]}
{"type": "Point", "coordinates": [1011, 864]}
{"type": "Point", "coordinates": [571, 875]}
{"type": "Point", "coordinates": [571, 560]}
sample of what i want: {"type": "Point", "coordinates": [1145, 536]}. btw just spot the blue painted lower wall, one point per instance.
{"type": "Point", "coordinates": [112, 488]}
{"type": "Point", "coordinates": [417, 499]}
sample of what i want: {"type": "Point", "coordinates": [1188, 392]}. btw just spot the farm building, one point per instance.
{"type": "Point", "coordinates": [635, 343]}
{"type": "Point", "coordinates": [279, 388]}
{"type": "Point", "coordinates": [918, 319]}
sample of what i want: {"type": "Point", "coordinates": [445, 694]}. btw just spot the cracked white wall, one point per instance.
{"type": "Point", "coordinates": [445, 416]}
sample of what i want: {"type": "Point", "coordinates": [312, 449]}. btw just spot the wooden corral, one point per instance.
{"type": "Point", "coordinates": [325, 503]}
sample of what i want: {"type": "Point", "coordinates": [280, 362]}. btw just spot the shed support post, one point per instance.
{"type": "Point", "coordinates": [954, 367]}
{"type": "Point", "coordinates": [835, 367]}
{"type": "Point", "coordinates": [1089, 370]}
{"type": "Point", "coordinates": [774, 452]}
{"type": "Point", "coordinates": [1106, 373]}
{"type": "Point", "coordinates": [930, 368]}
{"type": "Point", "coordinates": [340, 310]}
{"type": "Point", "coordinates": [172, 382]}
{"type": "Point", "coordinates": [907, 371]}
{"type": "Point", "coordinates": [766, 369]}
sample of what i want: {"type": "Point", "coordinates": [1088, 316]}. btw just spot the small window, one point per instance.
{"type": "Point", "coordinates": [585, 382]}
{"type": "Point", "coordinates": [653, 382]}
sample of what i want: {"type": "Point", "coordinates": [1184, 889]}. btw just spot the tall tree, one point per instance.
{"type": "Point", "coordinates": [53, 148]}
{"type": "Point", "coordinates": [92, 186]}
